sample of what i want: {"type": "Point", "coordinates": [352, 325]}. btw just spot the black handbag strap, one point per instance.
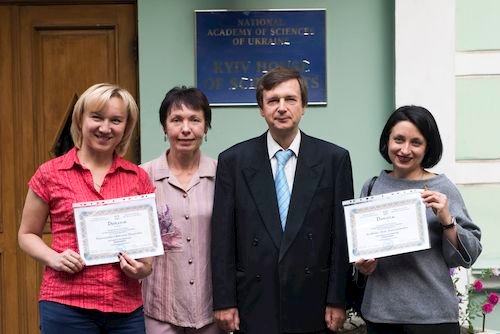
{"type": "Point", "coordinates": [370, 185]}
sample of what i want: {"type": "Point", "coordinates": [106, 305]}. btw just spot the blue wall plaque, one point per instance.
{"type": "Point", "coordinates": [235, 48]}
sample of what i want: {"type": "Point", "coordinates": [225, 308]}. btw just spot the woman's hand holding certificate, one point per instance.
{"type": "Point", "coordinates": [387, 224]}
{"type": "Point", "coordinates": [137, 269]}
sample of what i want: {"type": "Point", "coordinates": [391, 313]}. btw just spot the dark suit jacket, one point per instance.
{"type": "Point", "coordinates": [280, 281]}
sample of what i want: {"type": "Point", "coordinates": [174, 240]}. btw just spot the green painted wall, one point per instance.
{"type": "Point", "coordinates": [477, 23]}
{"type": "Point", "coordinates": [478, 115]}
{"type": "Point", "coordinates": [360, 72]}
{"type": "Point", "coordinates": [482, 204]}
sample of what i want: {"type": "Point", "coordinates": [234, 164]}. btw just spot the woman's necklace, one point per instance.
{"type": "Point", "coordinates": [97, 170]}
{"type": "Point", "coordinates": [96, 185]}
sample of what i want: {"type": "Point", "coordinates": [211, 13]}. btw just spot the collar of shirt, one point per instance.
{"type": "Point", "coordinates": [273, 146]}
{"type": "Point", "coordinates": [162, 171]}
{"type": "Point", "coordinates": [70, 160]}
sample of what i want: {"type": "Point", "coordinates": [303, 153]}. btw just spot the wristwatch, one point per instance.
{"type": "Point", "coordinates": [450, 225]}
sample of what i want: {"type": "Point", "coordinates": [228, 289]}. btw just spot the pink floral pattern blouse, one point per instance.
{"type": "Point", "coordinates": [179, 290]}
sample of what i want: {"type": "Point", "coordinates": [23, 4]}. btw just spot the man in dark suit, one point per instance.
{"type": "Point", "coordinates": [279, 254]}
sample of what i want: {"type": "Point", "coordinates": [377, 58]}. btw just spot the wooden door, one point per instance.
{"type": "Point", "coordinates": [49, 54]}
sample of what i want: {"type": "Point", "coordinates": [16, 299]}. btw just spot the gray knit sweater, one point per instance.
{"type": "Point", "coordinates": [417, 287]}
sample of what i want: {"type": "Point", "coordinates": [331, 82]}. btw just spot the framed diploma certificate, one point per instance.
{"type": "Point", "coordinates": [387, 224]}
{"type": "Point", "coordinates": [127, 224]}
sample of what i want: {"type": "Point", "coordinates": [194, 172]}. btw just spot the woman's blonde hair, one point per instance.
{"type": "Point", "coordinates": [95, 98]}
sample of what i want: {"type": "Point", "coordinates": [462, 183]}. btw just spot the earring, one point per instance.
{"type": "Point", "coordinates": [205, 137]}
{"type": "Point", "coordinates": [165, 139]}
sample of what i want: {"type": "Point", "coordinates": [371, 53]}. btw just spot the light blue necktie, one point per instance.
{"type": "Point", "coordinates": [282, 189]}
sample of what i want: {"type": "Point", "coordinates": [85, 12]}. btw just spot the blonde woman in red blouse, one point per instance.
{"type": "Point", "coordinates": [75, 298]}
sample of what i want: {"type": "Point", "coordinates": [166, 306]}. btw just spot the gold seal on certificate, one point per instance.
{"type": "Point", "coordinates": [126, 224]}
{"type": "Point", "coordinates": [387, 224]}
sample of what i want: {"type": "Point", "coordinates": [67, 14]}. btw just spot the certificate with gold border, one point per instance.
{"type": "Point", "coordinates": [387, 224]}
{"type": "Point", "coordinates": [126, 224]}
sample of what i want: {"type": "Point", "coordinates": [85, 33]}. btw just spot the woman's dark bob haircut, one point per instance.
{"type": "Point", "coordinates": [190, 97]}
{"type": "Point", "coordinates": [425, 123]}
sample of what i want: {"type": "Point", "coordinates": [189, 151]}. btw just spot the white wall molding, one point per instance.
{"type": "Point", "coordinates": [477, 172]}
{"type": "Point", "coordinates": [477, 63]}
{"type": "Point", "coordinates": [425, 68]}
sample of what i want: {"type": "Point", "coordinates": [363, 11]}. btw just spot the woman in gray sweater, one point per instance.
{"type": "Point", "coordinates": [413, 292]}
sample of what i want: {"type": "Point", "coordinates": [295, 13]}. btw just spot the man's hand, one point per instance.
{"type": "Point", "coordinates": [228, 319]}
{"type": "Point", "coordinates": [334, 318]}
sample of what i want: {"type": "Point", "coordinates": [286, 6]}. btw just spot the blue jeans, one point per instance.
{"type": "Point", "coordinates": [57, 318]}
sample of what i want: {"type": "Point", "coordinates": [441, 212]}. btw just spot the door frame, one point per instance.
{"type": "Point", "coordinates": [16, 315]}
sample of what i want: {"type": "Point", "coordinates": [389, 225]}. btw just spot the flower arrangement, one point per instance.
{"type": "Point", "coordinates": [480, 303]}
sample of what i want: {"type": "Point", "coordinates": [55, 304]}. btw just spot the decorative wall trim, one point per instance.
{"type": "Point", "coordinates": [477, 63]}
{"type": "Point", "coordinates": [425, 69]}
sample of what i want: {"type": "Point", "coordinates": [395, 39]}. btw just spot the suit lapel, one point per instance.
{"type": "Point", "coordinates": [259, 178]}
{"type": "Point", "coordinates": [307, 176]}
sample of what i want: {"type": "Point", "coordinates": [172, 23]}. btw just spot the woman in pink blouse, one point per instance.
{"type": "Point", "coordinates": [178, 293]}
{"type": "Point", "coordinates": [75, 298]}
